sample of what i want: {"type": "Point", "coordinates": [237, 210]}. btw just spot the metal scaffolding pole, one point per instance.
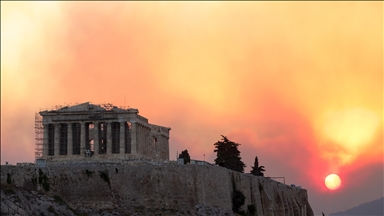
{"type": "Point", "coordinates": [39, 136]}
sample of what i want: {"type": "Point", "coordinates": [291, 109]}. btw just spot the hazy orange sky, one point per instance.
{"type": "Point", "coordinates": [298, 84]}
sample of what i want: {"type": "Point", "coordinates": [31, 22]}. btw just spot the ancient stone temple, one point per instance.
{"type": "Point", "coordinates": [100, 133]}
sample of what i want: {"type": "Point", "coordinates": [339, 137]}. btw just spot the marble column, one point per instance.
{"type": "Point", "coordinates": [82, 138]}
{"type": "Point", "coordinates": [167, 148]}
{"type": "Point", "coordinates": [133, 138]}
{"type": "Point", "coordinates": [159, 145]}
{"type": "Point", "coordinates": [122, 137]}
{"type": "Point", "coordinates": [138, 139]}
{"type": "Point", "coordinates": [109, 138]}
{"type": "Point", "coordinates": [142, 142]}
{"type": "Point", "coordinates": [96, 146]}
{"type": "Point", "coordinates": [70, 140]}
{"type": "Point", "coordinates": [57, 140]}
{"type": "Point", "coordinates": [147, 142]}
{"type": "Point", "coordinates": [162, 147]}
{"type": "Point", "coordinates": [45, 141]}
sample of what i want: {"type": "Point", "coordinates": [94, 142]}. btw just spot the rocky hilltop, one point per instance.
{"type": "Point", "coordinates": [118, 189]}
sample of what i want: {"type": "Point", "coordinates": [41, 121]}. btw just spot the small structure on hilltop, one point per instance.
{"type": "Point", "coordinates": [98, 133]}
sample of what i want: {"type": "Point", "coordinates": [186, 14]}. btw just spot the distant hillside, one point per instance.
{"type": "Point", "coordinates": [373, 208]}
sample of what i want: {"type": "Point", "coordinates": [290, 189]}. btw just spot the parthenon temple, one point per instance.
{"type": "Point", "coordinates": [98, 133]}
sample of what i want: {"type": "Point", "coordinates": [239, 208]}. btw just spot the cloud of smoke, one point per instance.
{"type": "Point", "coordinates": [264, 74]}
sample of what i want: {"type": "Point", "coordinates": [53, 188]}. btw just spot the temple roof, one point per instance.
{"type": "Point", "coordinates": [88, 107]}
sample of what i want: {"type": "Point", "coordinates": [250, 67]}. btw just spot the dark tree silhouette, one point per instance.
{"type": "Point", "coordinates": [256, 169]}
{"type": "Point", "coordinates": [184, 154]}
{"type": "Point", "coordinates": [228, 155]}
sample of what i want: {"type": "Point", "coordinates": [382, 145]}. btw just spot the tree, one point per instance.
{"type": "Point", "coordinates": [228, 155]}
{"type": "Point", "coordinates": [256, 169]}
{"type": "Point", "coordinates": [184, 154]}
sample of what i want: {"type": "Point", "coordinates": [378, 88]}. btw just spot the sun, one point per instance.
{"type": "Point", "coordinates": [332, 181]}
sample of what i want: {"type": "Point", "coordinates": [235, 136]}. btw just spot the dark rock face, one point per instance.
{"type": "Point", "coordinates": [99, 189]}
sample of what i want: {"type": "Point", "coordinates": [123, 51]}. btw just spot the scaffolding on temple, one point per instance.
{"type": "Point", "coordinates": [39, 136]}
{"type": "Point", "coordinates": [62, 135]}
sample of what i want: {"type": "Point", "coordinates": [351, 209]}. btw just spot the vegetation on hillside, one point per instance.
{"type": "Point", "coordinates": [185, 155]}
{"type": "Point", "coordinates": [228, 155]}
{"type": "Point", "coordinates": [256, 169]}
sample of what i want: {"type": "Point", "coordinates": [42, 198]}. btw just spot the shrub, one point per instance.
{"type": "Point", "coordinates": [89, 173]}
{"type": "Point", "coordinates": [43, 180]}
{"type": "Point", "coordinates": [242, 213]}
{"type": "Point", "coordinates": [104, 175]}
{"type": "Point", "coordinates": [46, 185]}
{"type": "Point", "coordinates": [252, 209]}
{"type": "Point", "coordinates": [9, 181]}
{"type": "Point", "coordinates": [59, 200]}
{"type": "Point", "coordinates": [8, 191]}
{"type": "Point", "coordinates": [51, 209]}
{"type": "Point", "coordinates": [185, 155]}
{"type": "Point", "coordinates": [41, 174]}
{"type": "Point", "coordinates": [34, 181]}
{"type": "Point", "coordinates": [238, 199]}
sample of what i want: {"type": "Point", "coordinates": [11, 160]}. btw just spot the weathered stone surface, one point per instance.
{"type": "Point", "coordinates": [16, 201]}
{"type": "Point", "coordinates": [175, 189]}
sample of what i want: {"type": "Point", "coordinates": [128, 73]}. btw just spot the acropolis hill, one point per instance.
{"type": "Point", "coordinates": [167, 189]}
{"type": "Point", "coordinates": [75, 176]}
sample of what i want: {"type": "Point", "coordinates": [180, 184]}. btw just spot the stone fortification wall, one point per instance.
{"type": "Point", "coordinates": [179, 187]}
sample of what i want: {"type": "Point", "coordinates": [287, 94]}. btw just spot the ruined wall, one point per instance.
{"type": "Point", "coordinates": [179, 187]}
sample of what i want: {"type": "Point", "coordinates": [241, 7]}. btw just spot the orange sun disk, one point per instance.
{"type": "Point", "coordinates": [332, 181]}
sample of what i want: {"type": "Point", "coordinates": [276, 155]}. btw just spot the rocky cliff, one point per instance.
{"type": "Point", "coordinates": [149, 190]}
